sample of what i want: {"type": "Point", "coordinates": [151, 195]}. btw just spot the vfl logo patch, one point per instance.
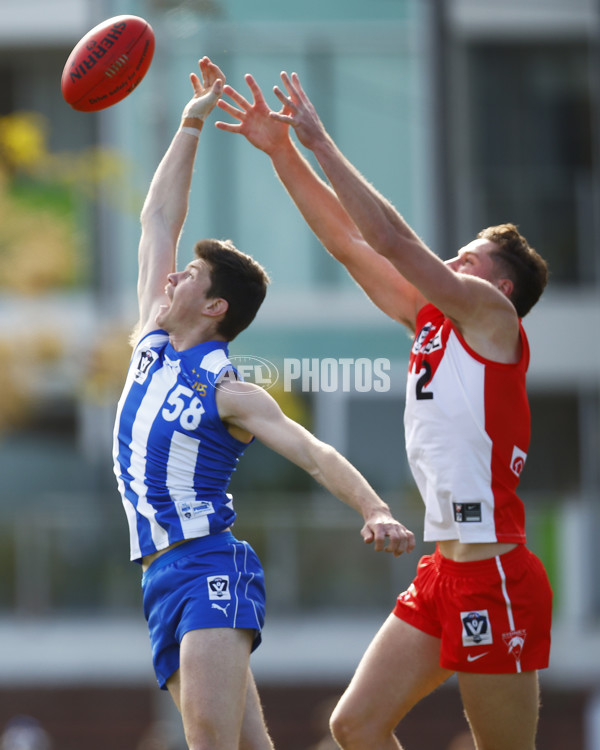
{"type": "Point", "coordinates": [218, 587]}
{"type": "Point", "coordinates": [517, 462]}
{"type": "Point", "coordinates": [476, 628]}
{"type": "Point", "coordinates": [145, 359]}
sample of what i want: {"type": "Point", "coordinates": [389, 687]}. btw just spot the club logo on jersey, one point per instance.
{"type": "Point", "coordinates": [174, 365]}
{"type": "Point", "coordinates": [517, 462]}
{"type": "Point", "coordinates": [218, 587]}
{"type": "Point", "coordinates": [145, 359]}
{"type": "Point", "coordinates": [476, 628]}
{"type": "Point", "coordinates": [421, 345]}
{"type": "Point", "coordinates": [467, 512]}
{"type": "Point", "coordinates": [515, 640]}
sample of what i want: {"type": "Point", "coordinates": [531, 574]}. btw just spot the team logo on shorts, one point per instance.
{"type": "Point", "coordinates": [515, 640]}
{"type": "Point", "coordinates": [476, 628]}
{"type": "Point", "coordinates": [218, 587]}
{"type": "Point", "coordinates": [409, 594]}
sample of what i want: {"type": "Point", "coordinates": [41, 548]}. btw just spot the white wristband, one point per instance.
{"type": "Point", "coordinates": [191, 131]}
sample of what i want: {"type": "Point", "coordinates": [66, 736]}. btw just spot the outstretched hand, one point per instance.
{"type": "Point", "coordinates": [207, 91]}
{"type": "Point", "coordinates": [298, 111]}
{"type": "Point", "coordinates": [255, 122]}
{"type": "Point", "coordinates": [387, 534]}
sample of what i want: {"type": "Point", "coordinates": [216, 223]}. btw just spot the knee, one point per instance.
{"type": "Point", "coordinates": [202, 738]}
{"type": "Point", "coordinates": [341, 728]}
{"type": "Point", "coordinates": [349, 730]}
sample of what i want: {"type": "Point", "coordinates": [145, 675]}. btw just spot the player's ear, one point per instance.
{"type": "Point", "coordinates": [216, 306]}
{"type": "Point", "coordinates": [506, 286]}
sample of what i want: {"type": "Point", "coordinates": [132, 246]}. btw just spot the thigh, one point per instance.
{"type": "Point", "coordinates": [401, 666]}
{"type": "Point", "coordinates": [211, 684]}
{"type": "Point", "coordinates": [502, 709]}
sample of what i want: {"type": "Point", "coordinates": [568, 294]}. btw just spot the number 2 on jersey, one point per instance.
{"type": "Point", "coordinates": [422, 382]}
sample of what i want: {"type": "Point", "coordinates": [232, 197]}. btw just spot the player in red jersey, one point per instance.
{"type": "Point", "coordinates": [480, 606]}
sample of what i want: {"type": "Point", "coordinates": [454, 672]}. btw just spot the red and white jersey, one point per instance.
{"type": "Point", "coordinates": [467, 425]}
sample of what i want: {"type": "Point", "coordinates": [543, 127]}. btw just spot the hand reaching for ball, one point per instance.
{"type": "Point", "coordinates": [206, 92]}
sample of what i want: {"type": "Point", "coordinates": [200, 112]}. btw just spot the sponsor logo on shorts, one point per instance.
{"type": "Point", "coordinates": [470, 657]}
{"type": "Point", "coordinates": [476, 629]}
{"type": "Point", "coordinates": [515, 640]}
{"type": "Point", "coordinates": [222, 608]}
{"type": "Point", "coordinates": [218, 587]}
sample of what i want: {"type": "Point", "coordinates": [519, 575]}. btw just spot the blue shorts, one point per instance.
{"type": "Point", "coordinates": [208, 582]}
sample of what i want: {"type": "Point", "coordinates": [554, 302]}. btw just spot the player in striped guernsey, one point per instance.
{"type": "Point", "coordinates": [480, 606]}
{"type": "Point", "coordinates": [183, 421]}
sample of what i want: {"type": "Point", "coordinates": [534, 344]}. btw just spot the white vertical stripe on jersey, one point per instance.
{"type": "Point", "coordinates": [181, 468]}
{"type": "Point", "coordinates": [134, 542]}
{"type": "Point", "coordinates": [509, 612]}
{"type": "Point", "coordinates": [151, 404]}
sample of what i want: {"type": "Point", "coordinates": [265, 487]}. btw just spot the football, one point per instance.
{"type": "Point", "coordinates": [107, 63]}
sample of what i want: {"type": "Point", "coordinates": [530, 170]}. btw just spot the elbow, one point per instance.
{"type": "Point", "coordinates": [155, 223]}
{"type": "Point", "coordinates": [383, 239]}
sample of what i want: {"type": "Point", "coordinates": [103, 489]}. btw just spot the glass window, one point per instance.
{"type": "Point", "coordinates": [530, 147]}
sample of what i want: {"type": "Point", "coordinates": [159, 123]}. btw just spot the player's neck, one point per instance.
{"type": "Point", "coordinates": [189, 339]}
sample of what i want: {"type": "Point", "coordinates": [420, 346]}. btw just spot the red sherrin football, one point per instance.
{"type": "Point", "coordinates": [108, 63]}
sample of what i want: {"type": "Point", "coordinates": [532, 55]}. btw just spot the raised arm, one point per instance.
{"type": "Point", "coordinates": [320, 206]}
{"type": "Point", "coordinates": [475, 305]}
{"type": "Point", "coordinates": [249, 408]}
{"type": "Point", "coordinates": [166, 204]}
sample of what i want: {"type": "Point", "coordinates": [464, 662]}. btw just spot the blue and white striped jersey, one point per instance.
{"type": "Point", "coordinates": [173, 456]}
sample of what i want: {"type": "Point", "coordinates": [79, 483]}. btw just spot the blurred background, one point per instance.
{"type": "Point", "coordinates": [464, 113]}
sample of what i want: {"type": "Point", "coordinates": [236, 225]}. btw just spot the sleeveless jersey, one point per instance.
{"type": "Point", "coordinates": [173, 456]}
{"type": "Point", "coordinates": [467, 425]}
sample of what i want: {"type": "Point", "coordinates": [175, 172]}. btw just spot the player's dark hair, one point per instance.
{"type": "Point", "coordinates": [525, 267]}
{"type": "Point", "coordinates": [237, 278]}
